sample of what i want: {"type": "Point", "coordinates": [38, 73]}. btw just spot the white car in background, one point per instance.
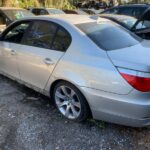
{"type": "Point", "coordinates": [46, 11]}
{"type": "Point", "coordinates": [10, 14]}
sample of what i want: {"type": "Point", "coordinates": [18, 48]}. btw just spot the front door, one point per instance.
{"type": "Point", "coordinates": [9, 47]}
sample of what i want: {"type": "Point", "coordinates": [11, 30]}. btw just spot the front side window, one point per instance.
{"type": "Point", "coordinates": [108, 35]}
{"type": "Point", "coordinates": [16, 34]}
{"type": "Point", "coordinates": [41, 34]}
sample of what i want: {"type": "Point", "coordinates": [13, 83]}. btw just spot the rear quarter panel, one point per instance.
{"type": "Point", "coordinates": [86, 65]}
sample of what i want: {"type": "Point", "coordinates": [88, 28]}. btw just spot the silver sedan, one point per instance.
{"type": "Point", "coordinates": [87, 66]}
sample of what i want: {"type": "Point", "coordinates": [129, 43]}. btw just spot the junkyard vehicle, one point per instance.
{"type": "Point", "coordinates": [89, 11]}
{"type": "Point", "coordinates": [46, 11]}
{"type": "Point", "coordinates": [140, 26]}
{"type": "Point", "coordinates": [9, 14]}
{"type": "Point", "coordinates": [134, 10]}
{"type": "Point", "coordinates": [83, 65]}
{"type": "Point", "coordinates": [75, 11]}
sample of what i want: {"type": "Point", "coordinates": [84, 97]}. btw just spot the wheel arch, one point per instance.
{"type": "Point", "coordinates": [62, 80]}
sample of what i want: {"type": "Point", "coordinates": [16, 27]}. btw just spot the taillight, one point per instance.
{"type": "Point", "coordinates": [139, 80]}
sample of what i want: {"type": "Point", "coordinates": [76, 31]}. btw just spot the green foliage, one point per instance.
{"type": "Point", "coordinates": [99, 124]}
{"type": "Point", "coordinates": [65, 4]}
{"type": "Point", "coordinates": [28, 3]}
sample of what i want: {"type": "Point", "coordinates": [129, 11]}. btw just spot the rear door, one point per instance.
{"type": "Point", "coordinates": [42, 47]}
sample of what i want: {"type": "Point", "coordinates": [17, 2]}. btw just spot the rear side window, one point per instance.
{"type": "Point", "coordinates": [41, 34]}
{"type": "Point", "coordinates": [109, 36]}
{"type": "Point", "coordinates": [62, 40]}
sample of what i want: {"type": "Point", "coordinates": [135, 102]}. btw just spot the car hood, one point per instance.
{"type": "Point", "coordinates": [136, 57]}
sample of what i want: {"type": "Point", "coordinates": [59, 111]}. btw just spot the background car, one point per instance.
{"type": "Point", "coordinates": [8, 15]}
{"type": "Point", "coordinates": [75, 11]}
{"type": "Point", "coordinates": [92, 4]}
{"type": "Point", "coordinates": [87, 66]}
{"type": "Point", "coordinates": [46, 11]}
{"type": "Point", "coordinates": [139, 26]}
{"type": "Point", "coordinates": [135, 10]}
{"type": "Point", "coordinates": [89, 11]}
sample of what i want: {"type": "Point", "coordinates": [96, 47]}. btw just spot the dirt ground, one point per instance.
{"type": "Point", "coordinates": [28, 121]}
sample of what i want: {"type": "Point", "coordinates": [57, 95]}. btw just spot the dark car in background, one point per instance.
{"type": "Point", "coordinates": [92, 4]}
{"type": "Point", "coordinates": [75, 11]}
{"type": "Point", "coordinates": [8, 15]}
{"type": "Point", "coordinates": [135, 10]}
{"type": "Point", "coordinates": [46, 11]}
{"type": "Point", "coordinates": [140, 26]}
{"type": "Point", "coordinates": [89, 11]}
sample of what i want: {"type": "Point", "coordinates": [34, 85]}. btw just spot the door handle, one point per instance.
{"type": "Point", "coordinates": [48, 61]}
{"type": "Point", "coordinates": [13, 52]}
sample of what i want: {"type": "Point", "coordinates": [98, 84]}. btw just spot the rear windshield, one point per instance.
{"type": "Point", "coordinates": [17, 14]}
{"type": "Point", "coordinates": [109, 36]}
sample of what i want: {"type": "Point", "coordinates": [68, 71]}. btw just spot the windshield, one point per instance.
{"type": "Point", "coordinates": [55, 11]}
{"type": "Point", "coordinates": [109, 36]}
{"type": "Point", "coordinates": [129, 22]}
{"type": "Point", "coordinates": [17, 14]}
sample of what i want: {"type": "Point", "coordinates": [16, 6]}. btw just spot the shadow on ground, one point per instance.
{"type": "Point", "coordinates": [29, 121]}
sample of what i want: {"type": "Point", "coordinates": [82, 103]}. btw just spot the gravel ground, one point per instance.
{"type": "Point", "coordinates": [28, 121]}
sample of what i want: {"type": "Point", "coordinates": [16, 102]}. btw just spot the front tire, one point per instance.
{"type": "Point", "coordinates": [70, 102]}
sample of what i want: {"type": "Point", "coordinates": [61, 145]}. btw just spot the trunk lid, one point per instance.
{"type": "Point", "coordinates": [136, 57]}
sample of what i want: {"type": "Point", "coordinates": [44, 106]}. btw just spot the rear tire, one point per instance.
{"type": "Point", "coordinates": [70, 102]}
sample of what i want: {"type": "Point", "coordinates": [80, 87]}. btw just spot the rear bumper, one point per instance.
{"type": "Point", "coordinates": [131, 110]}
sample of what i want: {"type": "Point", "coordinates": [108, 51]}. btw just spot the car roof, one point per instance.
{"type": "Point", "coordinates": [71, 18]}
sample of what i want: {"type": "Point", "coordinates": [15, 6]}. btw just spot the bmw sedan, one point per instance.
{"type": "Point", "coordinates": [87, 67]}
